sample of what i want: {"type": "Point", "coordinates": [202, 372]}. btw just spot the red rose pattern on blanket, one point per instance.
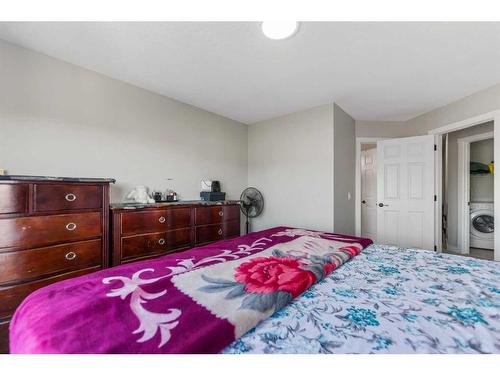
{"type": "Point", "coordinates": [245, 291]}
{"type": "Point", "coordinates": [273, 274]}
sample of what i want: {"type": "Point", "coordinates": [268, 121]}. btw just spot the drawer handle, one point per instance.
{"type": "Point", "coordinates": [220, 232]}
{"type": "Point", "coordinates": [162, 219]}
{"type": "Point", "coordinates": [221, 213]}
{"type": "Point", "coordinates": [71, 255]}
{"type": "Point", "coordinates": [161, 241]}
{"type": "Point", "coordinates": [70, 197]}
{"type": "Point", "coordinates": [71, 226]}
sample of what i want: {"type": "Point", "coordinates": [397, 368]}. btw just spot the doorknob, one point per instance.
{"type": "Point", "coordinates": [364, 202]}
{"type": "Point", "coordinates": [382, 205]}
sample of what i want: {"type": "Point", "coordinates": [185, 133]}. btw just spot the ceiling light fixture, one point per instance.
{"type": "Point", "coordinates": [279, 29]}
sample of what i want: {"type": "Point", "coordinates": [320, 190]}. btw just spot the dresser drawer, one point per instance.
{"type": "Point", "coordinates": [13, 198]}
{"type": "Point", "coordinates": [231, 228]}
{"type": "Point", "coordinates": [231, 212]}
{"type": "Point", "coordinates": [155, 220]}
{"type": "Point", "coordinates": [29, 264]}
{"type": "Point", "coordinates": [4, 337]}
{"type": "Point", "coordinates": [12, 296]}
{"type": "Point", "coordinates": [36, 231]}
{"type": "Point", "coordinates": [155, 244]}
{"type": "Point", "coordinates": [209, 233]}
{"type": "Point", "coordinates": [52, 197]}
{"type": "Point", "coordinates": [208, 215]}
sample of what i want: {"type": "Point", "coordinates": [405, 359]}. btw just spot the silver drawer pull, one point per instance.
{"type": "Point", "coordinates": [70, 197]}
{"type": "Point", "coordinates": [161, 241]}
{"type": "Point", "coordinates": [71, 255]}
{"type": "Point", "coordinates": [71, 226]}
{"type": "Point", "coordinates": [162, 219]}
{"type": "Point", "coordinates": [220, 232]}
{"type": "Point", "coordinates": [221, 213]}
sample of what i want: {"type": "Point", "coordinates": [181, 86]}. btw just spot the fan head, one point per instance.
{"type": "Point", "coordinates": [251, 202]}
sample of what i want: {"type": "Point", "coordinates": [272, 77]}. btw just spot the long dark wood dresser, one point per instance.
{"type": "Point", "coordinates": [147, 231]}
{"type": "Point", "coordinates": [51, 229]}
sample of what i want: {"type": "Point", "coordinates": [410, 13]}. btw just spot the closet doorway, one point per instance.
{"type": "Point", "coordinates": [468, 191]}
{"type": "Point", "coordinates": [476, 195]}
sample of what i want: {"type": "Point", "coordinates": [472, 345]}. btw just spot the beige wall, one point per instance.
{"type": "Point", "coordinates": [382, 129]}
{"type": "Point", "coordinates": [344, 163]}
{"type": "Point", "coordinates": [290, 159]}
{"type": "Point", "coordinates": [59, 119]}
{"type": "Point", "coordinates": [478, 103]}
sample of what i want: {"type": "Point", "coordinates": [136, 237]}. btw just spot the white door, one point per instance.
{"type": "Point", "coordinates": [369, 194]}
{"type": "Point", "coordinates": [405, 191]}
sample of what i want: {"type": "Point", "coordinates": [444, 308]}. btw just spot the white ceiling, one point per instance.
{"type": "Point", "coordinates": [375, 71]}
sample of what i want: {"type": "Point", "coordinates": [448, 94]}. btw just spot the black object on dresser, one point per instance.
{"type": "Point", "coordinates": [152, 230]}
{"type": "Point", "coordinates": [51, 229]}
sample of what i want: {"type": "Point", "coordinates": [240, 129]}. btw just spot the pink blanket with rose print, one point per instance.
{"type": "Point", "coordinates": [198, 301]}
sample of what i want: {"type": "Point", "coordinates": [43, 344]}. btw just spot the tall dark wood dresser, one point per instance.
{"type": "Point", "coordinates": [51, 229]}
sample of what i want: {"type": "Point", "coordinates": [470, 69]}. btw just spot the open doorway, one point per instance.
{"type": "Point", "coordinates": [366, 187]}
{"type": "Point", "coordinates": [468, 191]}
{"type": "Point", "coordinates": [395, 192]}
{"type": "Point", "coordinates": [369, 190]}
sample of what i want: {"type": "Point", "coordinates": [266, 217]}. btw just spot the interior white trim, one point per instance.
{"type": "Point", "coordinates": [357, 203]}
{"type": "Point", "coordinates": [463, 223]}
{"type": "Point", "coordinates": [467, 123]}
{"type": "Point", "coordinates": [476, 120]}
{"type": "Point", "coordinates": [438, 190]}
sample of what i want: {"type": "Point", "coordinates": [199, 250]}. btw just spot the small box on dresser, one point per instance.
{"type": "Point", "coordinates": [50, 230]}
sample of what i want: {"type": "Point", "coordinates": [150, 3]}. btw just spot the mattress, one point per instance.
{"type": "Point", "coordinates": [389, 300]}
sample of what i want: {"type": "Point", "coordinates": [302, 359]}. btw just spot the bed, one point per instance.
{"type": "Point", "coordinates": [283, 290]}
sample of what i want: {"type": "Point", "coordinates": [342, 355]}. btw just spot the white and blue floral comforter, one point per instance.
{"type": "Point", "coordinates": [389, 300]}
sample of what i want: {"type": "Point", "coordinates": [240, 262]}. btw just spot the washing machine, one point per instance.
{"type": "Point", "coordinates": [481, 225]}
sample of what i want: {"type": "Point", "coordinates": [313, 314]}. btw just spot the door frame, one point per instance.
{"type": "Point", "coordinates": [463, 222]}
{"type": "Point", "coordinates": [472, 121]}
{"type": "Point", "coordinates": [357, 199]}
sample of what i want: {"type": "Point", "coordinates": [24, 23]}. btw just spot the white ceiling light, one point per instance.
{"type": "Point", "coordinates": [279, 29]}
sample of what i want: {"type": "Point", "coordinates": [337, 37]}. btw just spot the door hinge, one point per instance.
{"type": "Point", "coordinates": [435, 147]}
{"type": "Point", "coordinates": [435, 248]}
{"type": "Point", "coordinates": [435, 198]}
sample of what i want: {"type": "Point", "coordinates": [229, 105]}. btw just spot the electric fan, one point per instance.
{"type": "Point", "coordinates": [252, 204]}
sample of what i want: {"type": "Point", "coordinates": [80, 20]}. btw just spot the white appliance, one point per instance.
{"type": "Point", "coordinates": [481, 225]}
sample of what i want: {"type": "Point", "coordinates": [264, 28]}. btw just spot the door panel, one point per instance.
{"type": "Point", "coordinates": [405, 185]}
{"type": "Point", "coordinates": [416, 180]}
{"type": "Point", "coordinates": [416, 235]}
{"type": "Point", "coordinates": [390, 227]}
{"type": "Point", "coordinates": [391, 181]}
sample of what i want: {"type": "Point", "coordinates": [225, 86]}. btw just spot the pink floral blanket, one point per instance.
{"type": "Point", "coordinates": [198, 301]}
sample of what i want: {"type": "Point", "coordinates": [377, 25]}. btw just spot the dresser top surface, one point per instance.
{"type": "Point", "coordinates": [132, 206]}
{"type": "Point", "coordinates": [55, 179]}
